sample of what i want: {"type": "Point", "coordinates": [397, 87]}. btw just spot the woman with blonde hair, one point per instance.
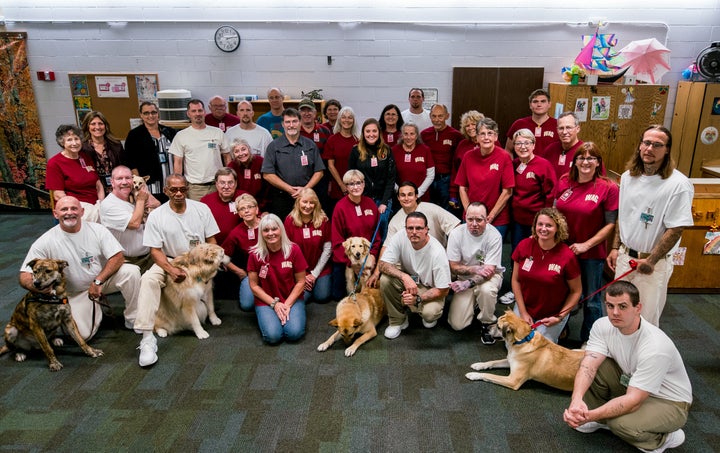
{"type": "Point", "coordinates": [468, 128]}
{"type": "Point", "coordinates": [338, 148]}
{"type": "Point", "coordinates": [276, 269]}
{"type": "Point", "coordinates": [238, 243]}
{"type": "Point", "coordinates": [100, 143]}
{"type": "Point", "coordinates": [308, 226]}
{"type": "Point", "coordinates": [546, 275]}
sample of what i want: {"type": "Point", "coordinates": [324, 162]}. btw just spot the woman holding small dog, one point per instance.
{"type": "Point", "coordinates": [546, 275]}
{"type": "Point", "coordinates": [276, 269]}
{"type": "Point", "coordinates": [309, 227]}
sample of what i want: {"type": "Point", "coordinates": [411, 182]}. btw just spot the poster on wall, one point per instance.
{"type": "Point", "coordinates": [581, 109]}
{"type": "Point", "coordinates": [79, 85]}
{"type": "Point", "coordinates": [712, 244]}
{"type": "Point", "coordinates": [82, 102]}
{"type": "Point", "coordinates": [625, 112]}
{"type": "Point", "coordinates": [431, 97]}
{"type": "Point", "coordinates": [600, 108]}
{"type": "Point", "coordinates": [146, 85]}
{"type": "Point", "coordinates": [112, 87]}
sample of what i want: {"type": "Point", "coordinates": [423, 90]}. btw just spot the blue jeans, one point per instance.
{"type": "Point", "coordinates": [502, 229]}
{"type": "Point", "coordinates": [384, 221]}
{"type": "Point", "coordinates": [440, 191]}
{"type": "Point", "coordinates": [273, 331]}
{"type": "Point", "coordinates": [591, 274]}
{"type": "Point", "coordinates": [520, 232]}
{"type": "Point", "coordinates": [552, 333]}
{"type": "Point", "coordinates": [321, 291]}
{"type": "Point", "coordinates": [338, 281]}
{"type": "Point", "coordinates": [246, 302]}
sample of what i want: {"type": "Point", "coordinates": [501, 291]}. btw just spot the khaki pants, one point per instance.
{"type": "Point", "coordinates": [649, 425]}
{"type": "Point", "coordinates": [88, 314]}
{"type": "Point", "coordinates": [462, 306]}
{"type": "Point", "coordinates": [392, 288]}
{"type": "Point", "coordinates": [197, 191]}
{"type": "Point", "coordinates": [652, 287]}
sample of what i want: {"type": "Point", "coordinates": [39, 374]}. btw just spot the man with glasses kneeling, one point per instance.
{"type": "Point", "coordinates": [172, 229]}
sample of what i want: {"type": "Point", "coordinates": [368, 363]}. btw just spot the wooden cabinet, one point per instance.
{"type": "Point", "coordinates": [700, 272]}
{"type": "Point", "coordinates": [696, 122]}
{"type": "Point", "coordinates": [629, 110]}
{"type": "Point", "coordinates": [262, 106]}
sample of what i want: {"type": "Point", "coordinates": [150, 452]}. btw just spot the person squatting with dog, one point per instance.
{"type": "Point", "coordinates": [172, 229]}
{"type": "Point", "coordinates": [96, 266]}
{"type": "Point", "coordinates": [632, 380]}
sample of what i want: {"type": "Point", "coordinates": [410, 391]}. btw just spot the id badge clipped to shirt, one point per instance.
{"type": "Point", "coordinates": [304, 160]}
{"type": "Point", "coordinates": [373, 161]}
{"type": "Point", "coordinates": [263, 271]}
{"type": "Point", "coordinates": [527, 264]}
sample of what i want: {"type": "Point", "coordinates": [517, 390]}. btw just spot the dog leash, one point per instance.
{"type": "Point", "coordinates": [357, 277]}
{"type": "Point", "coordinates": [633, 265]}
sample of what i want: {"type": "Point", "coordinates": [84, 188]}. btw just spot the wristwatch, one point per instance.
{"type": "Point", "coordinates": [98, 282]}
{"type": "Point", "coordinates": [418, 299]}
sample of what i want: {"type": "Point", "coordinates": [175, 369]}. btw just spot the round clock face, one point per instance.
{"type": "Point", "coordinates": [227, 38]}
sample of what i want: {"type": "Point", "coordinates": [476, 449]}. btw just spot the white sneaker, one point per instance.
{"type": "Point", "coordinates": [394, 331]}
{"type": "Point", "coordinates": [429, 325]}
{"type": "Point", "coordinates": [591, 427]}
{"type": "Point", "coordinates": [507, 298]}
{"type": "Point", "coordinates": [148, 351]}
{"type": "Point", "coordinates": [673, 440]}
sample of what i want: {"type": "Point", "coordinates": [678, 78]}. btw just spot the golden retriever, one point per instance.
{"type": "Point", "coordinates": [534, 358]}
{"type": "Point", "coordinates": [40, 316]}
{"type": "Point", "coordinates": [186, 304]}
{"type": "Point", "coordinates": [356, 314]}
{"type": "Point", "coordinates": [356, 249]}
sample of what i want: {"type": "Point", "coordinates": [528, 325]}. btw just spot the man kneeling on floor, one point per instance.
{"type": "Point", "coordinates": [642, 392]}
{"type": "Point", "coordinates": [421, 282]}
{"type": "Point", "coordinates": [475, 250]}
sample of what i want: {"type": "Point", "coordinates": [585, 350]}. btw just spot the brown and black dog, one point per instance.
{"type": "Point", "coordinates": [40, 316]}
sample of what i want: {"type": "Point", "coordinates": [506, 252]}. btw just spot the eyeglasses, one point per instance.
{"type": "Point", "coordinates": [523, 144]}
{"type": "Point", "coordinates": [654, 145]}
{"type": "Point", "coordinates": [174, 190]}
{"type": "Point", "coordinates": [225, 183]}
{"type": "Point", "coordinates": [154, 112]}
{"type": "Point", "coordinates": [486, 134]}
{"type": "Point", "coordinates": [586, 159]}
{"type": "Point", "coordinates": [355, 183]}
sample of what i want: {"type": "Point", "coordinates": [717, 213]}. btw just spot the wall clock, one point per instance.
{"type": "Point", "coordinates": [227, 38]}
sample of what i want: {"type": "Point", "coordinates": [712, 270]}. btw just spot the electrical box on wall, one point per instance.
{"type": "Point", "coordinates": [47, 76]}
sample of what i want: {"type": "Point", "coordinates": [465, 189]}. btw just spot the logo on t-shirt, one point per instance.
{"type": "Point", "coordinates": [420, 159]}
{"type": "Point", "coordinates": [287, 265]}
{"type": "Point", "coordinates": [592, 197]}
{"type": "Point", "coordinates": [368, 212]}
{"type": "Point", "coordinates": [530, 175]}
{"type": "Point", "coordinates": [550, 134]}
{"type": "Point", "coordinates": [554, 268]}
{"type": "Point", "coordinates": [495, 167]}
{"type": "Point", "coordinates": [447, 142]}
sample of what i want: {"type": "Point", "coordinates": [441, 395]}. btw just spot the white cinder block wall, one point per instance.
{"type": "Point", "coordinates": [378, 51]}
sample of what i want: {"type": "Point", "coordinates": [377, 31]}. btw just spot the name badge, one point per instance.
{"type": "Point", "coordinates": [233, 207]}
{"type": "Point", "coordinates": [527, 265]}
{"type": "Point", "coordinates": [316, 137]}
{"type": "Point", "coordinates": [163, 158]}
{"type": "Point", "coordinates": [108, 178]}
{"type": "Point", "coordinates": [521, 168]}
{"type": "Point", "coordinates": [646, 218]}
{"type": "Point", "coordinates": [358, 211]}
{"type": "Point", "coordinates": [306, 233]}
{"type": "Point", "coordinates": [263, 271]}
{"type": "Point", "coordinates": [408, 157]}
{"type": "Point", "coordinates": [566, 195]}
{"type": "Point", "coordinates": [222, 126]}
{"type": "Point", "coordinates": [194, 243]}
{"type": "Point", "coordinates": [248, 173]}
{"type": "Point", "coordinates": [87, 260]}
{"type": "Point", "coordinates": [538, 131]}
{"type": "Point", "coordinates": [391, 138]}
{"type": "Point", "coordinates": [212, 145]}
{"type": "Point", "coordinates": [561, 160]}
{"type": "Point", "coordinates": [303, 160]}
{"type": "Point", "coordinates": [251, 234]}
{"type": "Point", "coordinates": [373, 162]}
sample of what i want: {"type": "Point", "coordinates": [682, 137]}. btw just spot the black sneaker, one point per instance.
{"type": "Point", "coordinates": [486, 336]}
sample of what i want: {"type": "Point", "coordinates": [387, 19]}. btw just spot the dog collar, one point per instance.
{"type": "Point", "coordinates": [49, 299]}
{"type": "Point", "coordinates": [528, 338]}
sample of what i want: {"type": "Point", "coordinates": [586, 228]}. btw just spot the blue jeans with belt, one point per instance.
{"type": "Point", "coordinates": [591, 274]}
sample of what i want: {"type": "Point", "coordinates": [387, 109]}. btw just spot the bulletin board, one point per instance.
{"type": "Point", "coordinates": [117, 96]}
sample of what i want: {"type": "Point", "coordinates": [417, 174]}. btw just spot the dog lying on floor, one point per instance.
{"type": "Point", "coordinates": [39, 316]}
{"type": "Point", "coordinates": [530, 356]}
{"type": "Point", "coordinates": [356, 249]}
{"type": "Point", "coordinates": [185, 305]}
{"type": "Point", "coordinates": [356, 314]}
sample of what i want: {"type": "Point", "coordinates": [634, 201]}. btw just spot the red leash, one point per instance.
{"type": "Point", "coordinates": [633, 266]}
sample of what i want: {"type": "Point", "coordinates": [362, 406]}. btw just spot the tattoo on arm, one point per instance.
{"type": "Point", "coordinates": [667, 241]}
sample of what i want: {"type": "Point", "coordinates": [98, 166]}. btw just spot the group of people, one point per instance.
{"type": "Point", "coordinates": [281, 196]}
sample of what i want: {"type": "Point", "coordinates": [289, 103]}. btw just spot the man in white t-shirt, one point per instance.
{"type": "Point", "coordinates": [422, 280]}
{"type": "Point", "coordinates": [475, 251]}
{"type": "Point", "coordinates": [632, 379]}
{"type": "Point", "coordinates": [125, 219]}
{"type": "Point", "coordinates": [96, 265]}
{"type": "Point", "coordinates": [257, 137]}
{"type": "Point", "coordinates": [172, 229]}
{"type": "Point", "coordinates": [416, 114]}
{"type": "Point", "coordinates": [199, 151]}
{"type": "Point", "coordinates": [655, 207]}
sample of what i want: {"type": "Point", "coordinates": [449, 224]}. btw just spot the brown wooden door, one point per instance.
{"type": "Point", "coordinates": [499, 93]}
